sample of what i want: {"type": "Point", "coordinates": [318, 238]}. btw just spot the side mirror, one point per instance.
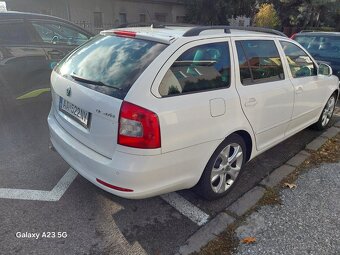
{"type": "Point", "coordinates": [325, 69]}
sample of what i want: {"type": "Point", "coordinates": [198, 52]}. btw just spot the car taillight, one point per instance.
{"type": "Point", "coordinates": [125, 33]}
{"type": "Point", "coordinates": [138, 127]}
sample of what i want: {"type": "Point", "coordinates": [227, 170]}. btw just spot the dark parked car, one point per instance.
{"type": "Point", "coordinates": [30, 46]}
{"type": "Point", "coordinates": [323, 46]}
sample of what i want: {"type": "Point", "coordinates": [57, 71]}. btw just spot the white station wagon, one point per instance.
{"type": "Point", "coordinates": [145, 111]}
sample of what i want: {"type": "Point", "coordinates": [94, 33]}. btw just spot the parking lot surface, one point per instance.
{"type": "Point", "coordinates": [39, 194]}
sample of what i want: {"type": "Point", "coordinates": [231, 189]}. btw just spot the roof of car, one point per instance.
{"type": "Point", "coordinates": [318, 33]}
{"type": "Point", "coordinates": [168, 34]}
{"type": "Point", "coordinates": [16, 15]}
{"type": "Point", "coordinates": [26, 15]}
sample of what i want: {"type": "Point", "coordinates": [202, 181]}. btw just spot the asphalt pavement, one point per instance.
{"type": "Point", "coordinates": [95, 222]}
{"type": "Point", "coordinates": [306, 222]}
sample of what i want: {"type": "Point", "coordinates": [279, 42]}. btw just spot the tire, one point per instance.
{"type": "Point", "coordinates": [326, 114]}
{"type": "Point", "coordinates": [223, 168]}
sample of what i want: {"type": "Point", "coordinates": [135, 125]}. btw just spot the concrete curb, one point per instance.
{"type": "Point", "coordinates": [207, 233]}
{"type": "Point", "coordinates": [220, 223]}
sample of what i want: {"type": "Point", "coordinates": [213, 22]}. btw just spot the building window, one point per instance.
{"type": "Point", "coordinates": [180, 19]}
{"type": "Point", "coordinates": [142, 18]}
{"type": "Point", "coordinates": [122, 18]}
{"type": "Point", "coordinates": [160, 17]}
{"type": "Point", "coordinates": [98, 19]}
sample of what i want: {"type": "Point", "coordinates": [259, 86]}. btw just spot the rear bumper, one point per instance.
{"type": "Point", "coordinates": [146, 175]}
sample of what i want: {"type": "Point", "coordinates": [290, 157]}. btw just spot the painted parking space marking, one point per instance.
{"type": "Point", "coordinates": [41, 195]}
{"type": "Point", "coordinates": [186, 208]}
{"type": "Point", "coordinates": [34, 93]}
{"type": "Point", "coordinates": [182, 205]}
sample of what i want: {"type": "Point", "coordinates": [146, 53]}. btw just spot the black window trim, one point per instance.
{"type": "Point", "coordinates": [254, 82]}
{"type": "Point", "coordinates": [227, 42]}
{"type": "Point", "coordinates": [301, 48]}
{"type": "Point", "coordinates": [247, 59]}
{"type": "Point", "coordinates": [194, 92]}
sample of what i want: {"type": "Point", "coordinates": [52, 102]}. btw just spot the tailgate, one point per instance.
{"type": "Point", "coordinates": [89, 116]}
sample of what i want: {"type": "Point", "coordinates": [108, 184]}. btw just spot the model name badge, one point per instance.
{"type": "Point", "coordinates": [110, 115]}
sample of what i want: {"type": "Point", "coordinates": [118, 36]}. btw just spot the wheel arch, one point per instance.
{"type": "Point", "coordinates": [248, 141]}
{"type": "Point", "coordinates": [336, 92]}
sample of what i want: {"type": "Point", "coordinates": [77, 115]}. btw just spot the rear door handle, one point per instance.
{"type": "Point", "coordinates": [299, 90]}
{"type": "Point", "coordinates": [251, 102]}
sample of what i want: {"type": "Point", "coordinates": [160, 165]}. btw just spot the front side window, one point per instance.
{"type": "Point", "coordinates": [200, 68]}
{"type": "Point", "coordinates": [56, 33]}
{"type": "Point", "coordinates": [13, 33]}
{"type": "Point", "coordinates": [259, 61]}
{"type": "Point", "coordinates": [300, 64]}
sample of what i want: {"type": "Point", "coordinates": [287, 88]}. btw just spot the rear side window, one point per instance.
{"type": "Point", "coordinates": [110, 64]}
{"type": "Point", "coordinates": [56, 33]}
{"type": "Point", "coordinates": [300, 64]}
{"type": "Point", "coordinates": [200, 68]}
{"type": "Point", "coordinates": [259, 61]}
{"type": "Point", "coordinates": [13, 33]}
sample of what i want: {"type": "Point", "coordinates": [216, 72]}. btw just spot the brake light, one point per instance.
{"type": "Point", "coordinates": [138, 127]}
{"type": "Point", "coordinates": [125, 33]}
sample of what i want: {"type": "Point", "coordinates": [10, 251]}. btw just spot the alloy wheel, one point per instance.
{"type": "Point", "coordinates": [328, 111]}
{"type": "Point", "coordinates": [226, 168]}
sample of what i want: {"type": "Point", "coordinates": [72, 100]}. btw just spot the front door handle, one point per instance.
{"type": "Point", "coordinates": [251, 102]}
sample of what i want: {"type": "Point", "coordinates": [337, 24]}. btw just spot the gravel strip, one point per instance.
{"type": "Point", "coordinates": [307, 222]}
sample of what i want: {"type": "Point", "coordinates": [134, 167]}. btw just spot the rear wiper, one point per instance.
{"type": "Point", "coordinates": [98, 83]}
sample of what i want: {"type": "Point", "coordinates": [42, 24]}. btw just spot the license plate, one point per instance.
{"type": "Point", "coordinates": [79, 115]}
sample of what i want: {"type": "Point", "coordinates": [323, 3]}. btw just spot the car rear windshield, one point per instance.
{"type": "Point", "coordinates": [110, 64]}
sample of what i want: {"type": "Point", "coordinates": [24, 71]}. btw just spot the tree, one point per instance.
{"type": "Point", "coordinates": [267, 17]}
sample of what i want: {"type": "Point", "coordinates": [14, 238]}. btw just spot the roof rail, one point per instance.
{"type": "Point", "coordinates": [197, 30]}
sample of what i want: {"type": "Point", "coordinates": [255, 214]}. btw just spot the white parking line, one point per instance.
{"type": "Point", "coordinates": [41, 195]}
{"type": "Point", "coordinates": [175, 200]}
{"type": "Point", "coordinates": [58, 191]}
{"type": "Point", "coordinates": [186, 208]}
